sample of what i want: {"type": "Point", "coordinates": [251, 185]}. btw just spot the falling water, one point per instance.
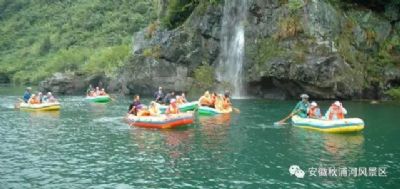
{"type": "Point", "coordinates": [232, 46]}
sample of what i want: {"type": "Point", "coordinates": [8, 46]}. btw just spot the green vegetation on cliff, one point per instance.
{"type": "Point", "coordinates": [40, 37]}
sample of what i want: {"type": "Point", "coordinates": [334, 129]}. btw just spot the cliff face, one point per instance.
{"type": "Point", "coordinates": [329, 49]}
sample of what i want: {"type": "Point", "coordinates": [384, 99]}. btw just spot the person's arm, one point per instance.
{"type": "Point", "coordinates": [318, 113]}
{"type": "Point", "coordinates": [327, 113]}
{"type": "Point", "coordinates": [295, 109]}
{"type": "Point", "coordinates": [344, 111]}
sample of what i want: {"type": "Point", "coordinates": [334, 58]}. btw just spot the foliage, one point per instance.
{"type": "Point", "coordinates": [204, 76]}
{"type": "Point", "coordinates": [177, 12]}
{"type": "Point", "coordinates": [39, 37]}
{"type": "Point", "coordinates": [394, 93]}
{"type": "Point", "coordinates": [107, 60]}
{"type": "Point", "coordinates": [264, 50]}
{"type": "Point", "coordinates": [289, 27]}
{"type": "Point", "coordinates": [295, 5]}
{"type": "Point", "coordinates": [153, 52]}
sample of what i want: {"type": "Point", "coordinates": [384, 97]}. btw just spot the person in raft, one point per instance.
{"type": "Point", "coordinates": [135, 106]}
{"type": "Point", "coordinates": [314, 111]}
{"type": "Point", "coordinates": [27, 94]}
{"type": "Point", "coordinates": [172, 108]}
{"type": "Point", "coordinates": [183, 98]}
{"type": "Point", "coordinates": [40, 97]}
{"type": "Point", "coordinates": [103, 92]}
{"type": "Point", "coordinates": [89, 90]}
{"type": "Point", "coordinates": [34, 100]}
{"type": "Point", "coordinates": [301, 107]}
{"type": "Point", "coordinates": [97, 92]}
{"type": "Point", "coordinates": [336, 111]}
{"type": "Point", "coordinates": [213, 100]}
{"type": "Point", "coordinates": [205, 100]}
{"type": "Point", "coordinates": [49, 98]}
{"type": "Point", "coordinates": [227, 100]}
{"type": "Point", "coordinates": [169, 97]}
{"type": "Point", "coordinates": [219, 103]}
{"type": "Point", "coordinates": [153, 109]}
{"type": "Point", "coordinates": [159, 95]}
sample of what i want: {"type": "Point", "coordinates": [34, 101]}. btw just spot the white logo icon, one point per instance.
{"type": "Point", "coordinates": [296, 171]}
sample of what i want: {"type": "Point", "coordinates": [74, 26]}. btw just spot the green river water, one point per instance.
{"type": "Point", "coordinates": [89, 146]}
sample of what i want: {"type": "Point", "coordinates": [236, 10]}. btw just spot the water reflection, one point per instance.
{"type": "Point", "coordinates": [44, 114]}
{"type": "Point", "coordinates": [214, 129]}
{"type": "Point", "coordinates": [334, 149]}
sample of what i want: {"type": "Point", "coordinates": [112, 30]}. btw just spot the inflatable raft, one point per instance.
{"type": "Point", "coordinates": [40, 107]}
{"type": "Point", "coordinates": [190, 106]}
{"type": "Point", "coordinates": [98, 99]}
{"type": "Point", "coordinates": [162, 121]}
{"type": "Point", "coordinates": [330, 126]}
{"type": "Point", "coordinates": [204, 110]}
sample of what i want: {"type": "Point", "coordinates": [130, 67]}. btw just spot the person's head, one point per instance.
{"type": "Point", "coordinates": [160, 88]}
{"type": "Point", "coordinates": [29, 89]}
{"type": "Point", "coordinates": [304, 97]}
{"type": "Point", "coordinates": [226, 94]}
{"type": "Point", "coordinates": [136, 97]}
{"type": "Point", "coordinates": [40, 93]}
{"type": "Point", "coordinates": [33, 95]}
{"type": "Point", "coordinates": [183, 95]}
{"type": "Point", "coordinates": [90, 85]}
{"type": "Point", "coordinates": [337, 104]}
{"type": "Point", "coordinates": [49, 94]}
{"type": "Point", "coordinates": [172, 93]}
{"type": "Point", "coordinates": [97, 88]}
{"type": "Point", "coordinates": [172, 102]}
{"type": "Point", "coordinates": [206, 94]}
{"type": "Point", "coordinates": [102, 89]}
{"type": "Point", "coordinates": [313, 104]}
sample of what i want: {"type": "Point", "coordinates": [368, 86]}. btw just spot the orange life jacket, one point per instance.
{"type": "Point", "coordinates": [204, 101]}
{"type": "Point", "coordinates": [179, 101]}
{"type": "Point", "coordinates": [336, 110]}
{"type": "Point", "coordinates": [143, 113]}
{"type": "Point", "coordinates": [172, 110]}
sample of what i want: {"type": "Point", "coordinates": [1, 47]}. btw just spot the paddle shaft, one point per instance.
{"type": "Point", "coordinates": [289, 116]}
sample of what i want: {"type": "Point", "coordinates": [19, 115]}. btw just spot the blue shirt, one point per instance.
{"type": "Point", "coordinates": [301, 109]}
{"type": "Point", "coordinates": [27, 96]}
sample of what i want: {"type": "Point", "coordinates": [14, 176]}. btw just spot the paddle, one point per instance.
{"type": "Point", "coordinates": [17, 105]}
{"type": "Point", "coordinates": [282, 122]}
{"type": "Point", "coordinates": [236, 110]}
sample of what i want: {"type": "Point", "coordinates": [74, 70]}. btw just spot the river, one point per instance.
{"type": "Point", "coordinates": [89, 146]}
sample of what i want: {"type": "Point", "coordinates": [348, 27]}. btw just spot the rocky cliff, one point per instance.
{"type": "Point", "coordinates": [329, 49]}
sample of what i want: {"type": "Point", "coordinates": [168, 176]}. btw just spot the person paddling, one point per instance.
{"type": "Point", "coordinates": [159, 95]}
{"type": "Point", "coordinates": [27, 94]}
{"type": "Point", "coordinates": [314, 111]}
{"type": "Point", "coordinates": [301, 107]}
{"type": "Point", "coordinates": [336, 111]}
{"type": "Point", "coordinates": [135, 106]}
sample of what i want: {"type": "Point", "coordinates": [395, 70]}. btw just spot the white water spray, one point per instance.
{"type": "Point", "coordinates": [230, 67]}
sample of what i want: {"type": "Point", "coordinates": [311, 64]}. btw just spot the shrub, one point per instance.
{"type": "Point", "coordinates": [289, 27]}
{"type": "Point", "coordinates": [177, 12]}
{"type": "Point", "coordinates": [204, 76]}
{"type": "Point", "coordinates": [394, 93]}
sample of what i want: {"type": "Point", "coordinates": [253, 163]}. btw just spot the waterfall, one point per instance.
{"type": "Point", "coordinates": [229, 69]}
